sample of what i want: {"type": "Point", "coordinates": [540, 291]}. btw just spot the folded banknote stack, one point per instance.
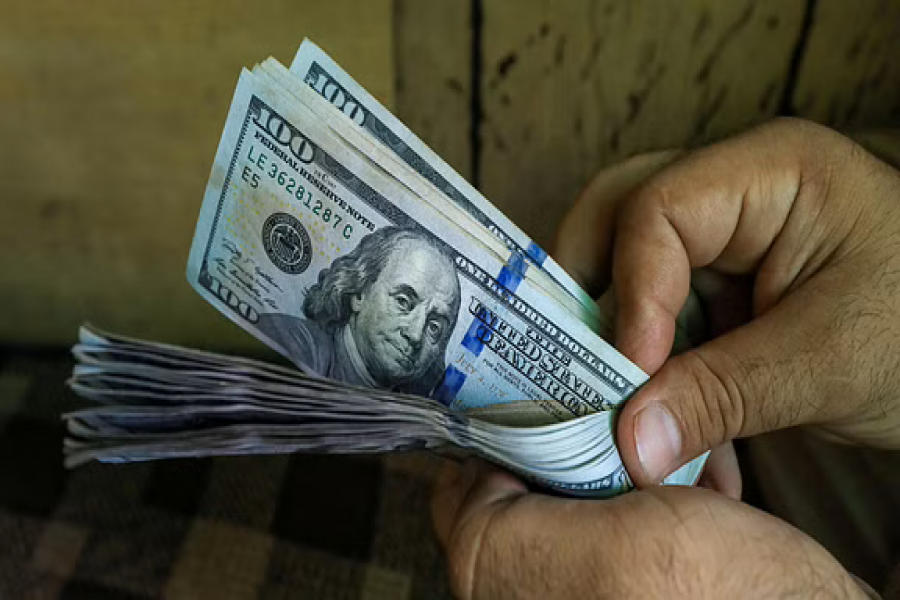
{"type": "Point", "coordinates": [417, 315]}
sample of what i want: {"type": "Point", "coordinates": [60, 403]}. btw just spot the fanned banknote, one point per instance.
{"type": "Point", "coordinates": [315, 68]}
{"type": "Point", "coordinates": [160, 401]}
{"type": "Point", "coordinates": [363, 281]}
{"type": "Point", "coordinates": [417, 314]}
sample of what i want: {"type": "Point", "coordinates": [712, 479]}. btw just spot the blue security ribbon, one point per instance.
{"type": "Point", "coordinates": [536, 254]}
{"type": "Point", "coordinates": [510, 277]}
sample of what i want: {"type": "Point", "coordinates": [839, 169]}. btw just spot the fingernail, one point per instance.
{"type": "Point", "coordinates": [658, 441]}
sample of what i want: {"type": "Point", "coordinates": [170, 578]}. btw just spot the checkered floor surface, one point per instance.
{"type": "Point", "coordinates": [247, 527]}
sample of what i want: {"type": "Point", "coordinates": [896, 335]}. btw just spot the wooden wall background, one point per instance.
{"type": "Point", "coordinates": [112, 112]}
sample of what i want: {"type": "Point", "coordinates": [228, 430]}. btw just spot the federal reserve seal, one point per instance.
{"type": "Point", "coordinates": [287, 243]}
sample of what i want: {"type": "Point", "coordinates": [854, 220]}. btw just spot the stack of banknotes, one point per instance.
{"type": "Point", "coordinates": [417, 314]}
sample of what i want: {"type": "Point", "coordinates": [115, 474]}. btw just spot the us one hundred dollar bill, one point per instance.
{"type": "Point", "coordinates": [313, 248]}
{"type": "Point", "coordinates": [419, 313]}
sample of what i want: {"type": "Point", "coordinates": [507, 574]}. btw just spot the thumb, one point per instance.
{"type": "Point", "coordinates": [465, 503]}
{"type": "Point", "coordinates": [461, 491]}
{"type": "Point", "coordinates": [769, 374]}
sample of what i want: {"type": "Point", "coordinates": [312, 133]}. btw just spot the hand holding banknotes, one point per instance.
{"type": "Point", "coordinates": [418, 316]}
{"type": "Point", "coordinates": [812, 223]}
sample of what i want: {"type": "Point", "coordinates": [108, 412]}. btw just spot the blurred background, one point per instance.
{"type": "Point", "coordinates": [111, 113]}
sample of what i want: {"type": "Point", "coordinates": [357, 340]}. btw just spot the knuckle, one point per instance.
{"type": "Point", "coordinates": [790, 125]}
{"type": "Point", "coordinates": [652, 196]}
{"type": "Point", "coordinates": [797, 130]}
{"type": "Point", "coordinates": [819, 150]}
{"type": "Point", "coordinates": [649, 210]}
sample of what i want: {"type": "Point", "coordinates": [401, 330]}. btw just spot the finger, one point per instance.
{"type": "Point", "coordinates": [462, 487]}
{"type": "Point", "coordinates": [722, 473]}
{"type": "Point", "coordinates": [450, 488]}
{"type": "Point", "coordinates": [721, 206]}
{"type": "Point", "coordinates": [754, 204]}
{"type": "Point", "coordinates": [463, 506]}
{"type": "Point", "coordinates": [769, 374]}
{"type": "Point", "coordinates": [584, 240]}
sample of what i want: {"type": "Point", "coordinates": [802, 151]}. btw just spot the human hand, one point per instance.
{"type": "Point", "coordinates": [584, 247]}
{"type": "Point", "coordinates": [795, 231]}
{"type": "Point", "coordinates": [661, 542]}
{"type": "Point", "coordinates": [790, 228]}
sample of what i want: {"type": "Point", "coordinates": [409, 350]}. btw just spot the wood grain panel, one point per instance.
{"type": "Point", "coordinates": [433, 43]}
{"type": "Point", "coordinates": [111, 115]}
{"type": "Point", "coordinates": [571, 86]}
{"type": "Point", "coordinates": [850, 73]}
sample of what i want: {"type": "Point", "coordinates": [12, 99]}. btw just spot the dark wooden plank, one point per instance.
{"type": "Point", "coordinates": [849, 75]}
{"type": "Point", "coordinates": [571, 86]}
{"type": "Point", "coordinates": [433, 63]}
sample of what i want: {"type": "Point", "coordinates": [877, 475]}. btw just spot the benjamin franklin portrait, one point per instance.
{"type": "Point", "coordinates": [380, 316]}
